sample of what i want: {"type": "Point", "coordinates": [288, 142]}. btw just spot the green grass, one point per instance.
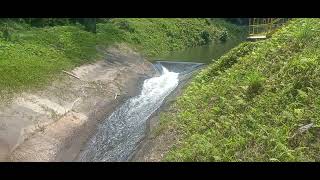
{"type": "Point", "coordinates": [32, 57]}
{"type": "Point", "coordinates": [249, 105]}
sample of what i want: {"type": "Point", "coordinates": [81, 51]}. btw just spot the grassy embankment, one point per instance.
{"type": "Point", "coordinates": [250, 104]}
{"type": "Point", "coordinates": [32, 56]}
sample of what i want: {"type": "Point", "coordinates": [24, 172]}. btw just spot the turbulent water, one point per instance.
{"type": "Point", "coordinates": [120, 134]}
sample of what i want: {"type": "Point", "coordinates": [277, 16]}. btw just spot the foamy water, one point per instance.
{"type": "Point", "coordinates": [122, 131]}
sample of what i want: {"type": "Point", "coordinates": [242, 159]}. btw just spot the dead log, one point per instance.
{"type": "Point", "coordinates": [70, 74]}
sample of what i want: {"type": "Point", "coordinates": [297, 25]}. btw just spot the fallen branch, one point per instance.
{"type": "Point", "coordinates": [305, 128]}
{"type": "Point", "coordinates": [70, 108]}
{"type": "Point", "coordinates": [74, 103]}
{"type": "Point", "coordinates": [302, 129]}
{"type": "Point", "coordinates": [71, 74]}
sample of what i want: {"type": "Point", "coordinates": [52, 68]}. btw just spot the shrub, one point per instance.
{"type": "Point", "coordinates": [205, 35]}
{"type": "Point", "coordinates": [255, 84]}
{"type": "Point", "coordinates": [6, 34]}
{"type": "Point", "coordinates": [125, 25]}
{"type": "Point", "coordinates": [224, 36]}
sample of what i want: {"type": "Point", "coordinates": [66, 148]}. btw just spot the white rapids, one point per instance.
{"type": "Point", "coordinates": [122, 131]}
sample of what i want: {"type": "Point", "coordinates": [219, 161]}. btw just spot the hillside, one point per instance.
{"type": "Point", "coordinates": [259, 102]}
{"type": "Point", "coordinates": [31, 57]}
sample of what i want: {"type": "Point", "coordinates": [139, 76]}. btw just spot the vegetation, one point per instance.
{"type": "Point", "coordinates": [33, 51]}
{"type": "Point", "coordinates": [259, 102]}
{"type": "Point", "coordinates": [89, 23]}
{"type": "Point", "coordinates": [156, 36]}
{"type": "Point", "coordinates": [32, 56]}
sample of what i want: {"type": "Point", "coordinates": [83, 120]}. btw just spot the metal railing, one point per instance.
{"type": "Point", "coordinates": [264, 26]}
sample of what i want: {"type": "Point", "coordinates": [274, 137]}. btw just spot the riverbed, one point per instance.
{"type": "Point", "coordinates": [121, 136]}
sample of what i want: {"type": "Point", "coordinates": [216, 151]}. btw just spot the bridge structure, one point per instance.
{"type": "Point", "coordinates": [261, 28]}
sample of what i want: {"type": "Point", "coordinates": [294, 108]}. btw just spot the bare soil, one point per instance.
{"type": "Point", "coordinates": [53, 124]}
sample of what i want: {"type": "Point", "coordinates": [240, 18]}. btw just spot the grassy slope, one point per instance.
{"type": "Point", "coordinates": [34, 56]}
{"type": "Point", "coordinates": [249, 105]}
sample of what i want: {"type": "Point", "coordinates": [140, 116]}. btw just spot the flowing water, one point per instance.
{"type": "Point", "coordinates": [122, 131]}
{"type": "Point", "coordinates": [120, 134]}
